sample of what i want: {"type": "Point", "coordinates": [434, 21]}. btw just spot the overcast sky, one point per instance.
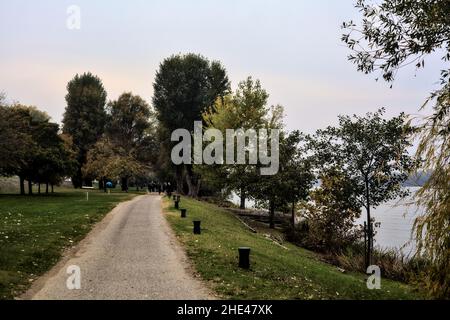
{"type": "Point", "coordinates": [293, 47]}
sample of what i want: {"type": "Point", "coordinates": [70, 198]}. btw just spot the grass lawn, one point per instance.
{"type": "Point", "coordinates": [276, 273]}
{"type": "Point", "coordinates": [35, 230]}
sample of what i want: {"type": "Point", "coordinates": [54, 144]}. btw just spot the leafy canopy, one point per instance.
{"type": "Point", "coordinates": [395, 33]}
{"type": "Point", "coordinates": [185, 85]}
{"type": "Point", "coordinates": [370, 151]}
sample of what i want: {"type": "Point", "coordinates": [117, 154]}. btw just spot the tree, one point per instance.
{"type": "Point", "coordinates": [15, 142]}
{"type": "Point", "coordinates": [297, 175]}
{"type": "Point", "coordinates": [65, 161]}
{"type": "Point", "coordinates": [129, 129]}
{"type": "Point", "coordinates": [54, 158]}
{"type": "Point", "coordinates": [85, 116]}
{"type": "Point", "coordinates": [433, 227]}
{"type": "Point", "coordinates": [331, 214]}
{"type": "Point", "coordinates": [165, 170]}
{"type": "Point", "coordinates": [37, 152]}
{"type": "Point", "coordinates": [245, 109]}
{"type": "Point", "coordinates": [292, 182]}
{"type": "Point", "coordinates": [31, 121]}
{"type": "Point", "coordinates": [396, 33]}
{"type": "Point", "coordinates": [371, 153]}
{"type": "Point", "coordinates": [128, 119]}
{"type": "Point", "coordinates": [98, 161]}
{"type": "Point", "coordinates": [108, 161]}
{"type": "Point", "coordinates": [184, 87]}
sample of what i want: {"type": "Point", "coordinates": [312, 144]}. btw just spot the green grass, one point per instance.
{"type": "Point", "coordinates": [276, 273]}
{"type": "Point", "coordinates": [35, 230]}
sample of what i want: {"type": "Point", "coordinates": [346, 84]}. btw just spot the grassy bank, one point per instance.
{"type": "Point", "coordinates": [35, 230]}
{"type": "Point", "coordinates": [276, 272]}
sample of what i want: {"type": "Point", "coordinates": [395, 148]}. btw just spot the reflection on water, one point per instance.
{"type": "Point", "coordinates": [396, 220]}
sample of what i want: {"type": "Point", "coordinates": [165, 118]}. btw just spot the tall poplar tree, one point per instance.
{"type": "Point", "coordinates": [84, 118]}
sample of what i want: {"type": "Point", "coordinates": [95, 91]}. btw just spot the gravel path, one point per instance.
{"type": "Point", "coordinates": [131, 254]}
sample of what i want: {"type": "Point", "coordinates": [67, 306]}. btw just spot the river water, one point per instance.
{"type": "Point", "coordinates": [396, 220]}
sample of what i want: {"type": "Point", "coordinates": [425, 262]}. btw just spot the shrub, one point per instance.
{"type": "Point", "coordinates": [330, 217]}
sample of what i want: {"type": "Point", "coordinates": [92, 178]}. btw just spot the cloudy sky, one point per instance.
{"type": "Point", "coordinates": [293, 47]}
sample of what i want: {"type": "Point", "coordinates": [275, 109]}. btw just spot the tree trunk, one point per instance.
{"type": "Point", "coordinates": [369, 229]}
{"type": "Point", "coordinates": [124, 184]}
{"type": "Point", "coordinates": [52, 188]}
{"type": "Point", "coordinates": [197, 188]}
{"type": "Point", "coordinates": [87, 182]}
{"type": "Point", "coordinates": [46, 188]}
{"type": "Point", "coordinates": [242, 206]}
{"type": "Point", "coordinates": [22, 185]}
{"type": "Point", "coordinates": [101, 182]}
{"type": "Point", "coordinates": [272, 215]}
{"type": "Point", "coordinates": [293, 214]}
{"type": "Point", "coordinates": [77, 179]}
{"type": "Point", "coordinates": [179, 179]}
{"type": "Point", "coordinates": [104, 184]}
{"type": "Point", "coordinates": [30, 187]}
{"type": "Point", "coordinates": [39, 188]}
{"type": "Point", "coordinates": [190, 185]}
{"type": "Point", "coordinates": [193, 185]}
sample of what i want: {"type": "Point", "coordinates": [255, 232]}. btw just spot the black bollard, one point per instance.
{"type": "Point", "coordinates": [244, 258]}
{"type": "Point", "coordinates": [183, 213]}
{"type": "Point", "coordinates": [177, 205]}
{"type": "Point", "coordinates": [197, 229]}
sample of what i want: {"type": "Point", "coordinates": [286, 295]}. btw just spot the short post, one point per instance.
{"type": "Point", "coordinates": [178, 198]}
{"type": "Point", "coordinates": [244, 257]}
{"type": "Point", "coordinates": [197, 229]}
{"type": "Point", "coordinates": [87, 196]}
{"type": "Point", "coordinates": [183, 213]}
{"type": "Point", "coordinates": [177, 206]}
